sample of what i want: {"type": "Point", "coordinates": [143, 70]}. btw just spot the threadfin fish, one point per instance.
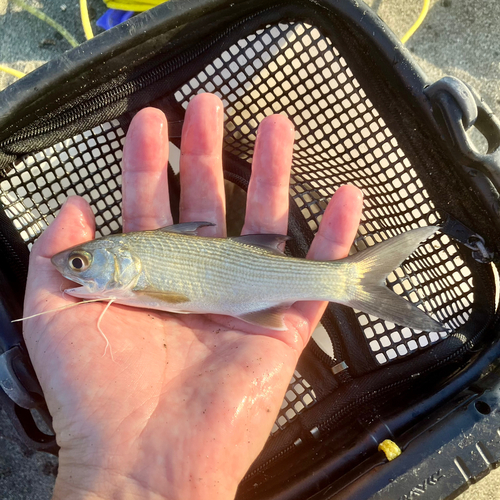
{"type": "Point", "coordinates": [247, 277]}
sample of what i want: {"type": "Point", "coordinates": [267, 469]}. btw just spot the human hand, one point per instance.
{"type": "Point", "coordinates": [189, 400]}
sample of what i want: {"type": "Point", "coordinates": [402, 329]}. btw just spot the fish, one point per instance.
{"type": "Point", "coordinates": [247, 277]}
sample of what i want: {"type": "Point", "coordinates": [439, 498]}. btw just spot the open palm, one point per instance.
{"type": "Point", "coordinates": [189, 400]}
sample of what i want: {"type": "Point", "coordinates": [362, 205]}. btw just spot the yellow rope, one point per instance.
{"type": "Point", "coordinates": [48, 20]}
{"type": "Point", "coordinates": [418, 22]}
{"type": "Point", "coordinates": [84, 12]}
{"type": "Point", "coordinates": [11, 71]}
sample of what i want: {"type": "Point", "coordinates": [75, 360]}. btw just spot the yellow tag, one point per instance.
{"type": "Point", "coordinates": [390, 448]}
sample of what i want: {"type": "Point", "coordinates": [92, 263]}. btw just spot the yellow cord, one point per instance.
{"type": "Point", "coordinates": [418, 22]}
{"type": "Point", "coordinates": [84, 12]}
{"type": "Point", "coordinates": [45, 18]}
{"type": "Point", "coordinates": [11, 71]}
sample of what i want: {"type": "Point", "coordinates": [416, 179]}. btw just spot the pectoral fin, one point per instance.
{"type": "Point", "coordinates": [164, 296]}
{"type": "Point", "coordinates": [271, 318]}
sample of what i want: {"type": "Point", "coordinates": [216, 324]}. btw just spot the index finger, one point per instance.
{"type": "Point", "coordinates": [146, 202]}
{"type": "Point", "coordinates": [73, 225]}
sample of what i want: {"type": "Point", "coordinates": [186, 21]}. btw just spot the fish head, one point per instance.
{"type": "Point", "coordinates": [100, 266]}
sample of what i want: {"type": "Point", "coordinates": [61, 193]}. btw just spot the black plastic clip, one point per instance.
{"type": "Point", "coordinates": [479, 250]}
{"type": "Point", "coordinates": [462, 95]}
{"type": "Point", "coordinates": [461, 108]}
{"type": "Point", "coordinates": [10, 381]}
{"type": "Point", "coordinates": [458, 231]}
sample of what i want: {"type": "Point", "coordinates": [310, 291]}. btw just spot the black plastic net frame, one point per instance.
{"type": "Point", "coordinates": [288, 67]}
{"type": "Point", "coordinates": [341, 138]}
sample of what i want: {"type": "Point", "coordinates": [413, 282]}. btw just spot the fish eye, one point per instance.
{"type": "Point", "coordinates": [79, 261]}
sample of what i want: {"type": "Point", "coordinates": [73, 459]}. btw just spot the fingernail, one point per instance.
{"type": "Point", "coordinates": [203, 124]}
{"type": "Point", "coordinates": [147, 138]}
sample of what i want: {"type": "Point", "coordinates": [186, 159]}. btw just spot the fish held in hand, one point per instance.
{"type": "Point", "coordinates": [247, 277]}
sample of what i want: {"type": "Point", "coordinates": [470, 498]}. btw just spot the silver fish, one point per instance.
{"type": "Point", "coordinates": [247, 277]}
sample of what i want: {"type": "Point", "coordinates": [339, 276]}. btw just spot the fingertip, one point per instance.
{"type": "Point", "coordinates": [276, 122]}
{"type": "Point", "coordinates": [146, 141]}
{"type": "Point", "coordinates": [78, 210]}
{"type": "Point", "coordinates": [350, 192]}
{"type": "Point", "coordinates": [276, 132]}
{"type": "Point", "coordinates": [73, 224]}
{"type": "Point", "coordinates": [78, 203]}
{"type": "Point", "coordinates": [148, 114]}
{"type": "Point", "coordinates": [207, 98]}
{"type": "Point", "coordinates": [342, 215]}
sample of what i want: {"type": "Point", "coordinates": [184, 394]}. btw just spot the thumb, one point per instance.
{"type": "Point", "coordinates": [73, 225]}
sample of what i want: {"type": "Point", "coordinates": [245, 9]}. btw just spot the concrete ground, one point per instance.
{"type": "Point", "coordinates": [460, 38]}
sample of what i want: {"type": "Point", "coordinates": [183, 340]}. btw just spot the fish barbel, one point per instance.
{"type": "Point", "coordinates": [247, 277]}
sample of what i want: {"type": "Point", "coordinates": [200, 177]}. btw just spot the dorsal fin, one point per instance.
{"type": "Point", "coordinates": [270, 242]}
{"type": "Point", "coordinates": [185, 227]}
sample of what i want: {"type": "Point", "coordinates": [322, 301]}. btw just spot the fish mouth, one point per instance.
{"type": "Point", "coordinates": [74, 279]}
{"type": "Point", "coordinates": [59, 260]}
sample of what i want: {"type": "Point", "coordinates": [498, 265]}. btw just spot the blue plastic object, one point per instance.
{"type": "Point", "coordinates": [112, 17]}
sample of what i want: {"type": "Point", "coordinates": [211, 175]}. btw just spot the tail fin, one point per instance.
{"type": "Point", "coordinates": [371, 294]}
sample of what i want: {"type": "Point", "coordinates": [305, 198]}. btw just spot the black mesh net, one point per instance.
{"type": "Point", "coordinates": [340, 138]}
{"type": "Point", "coordinates": [87, 165]}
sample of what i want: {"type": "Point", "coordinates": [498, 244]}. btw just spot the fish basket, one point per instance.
{"type": "Point", "coordinates": [364, 114]}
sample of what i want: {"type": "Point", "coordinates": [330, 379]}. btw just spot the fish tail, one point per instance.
{"type": "Point", "coordinates": [368, 291]}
